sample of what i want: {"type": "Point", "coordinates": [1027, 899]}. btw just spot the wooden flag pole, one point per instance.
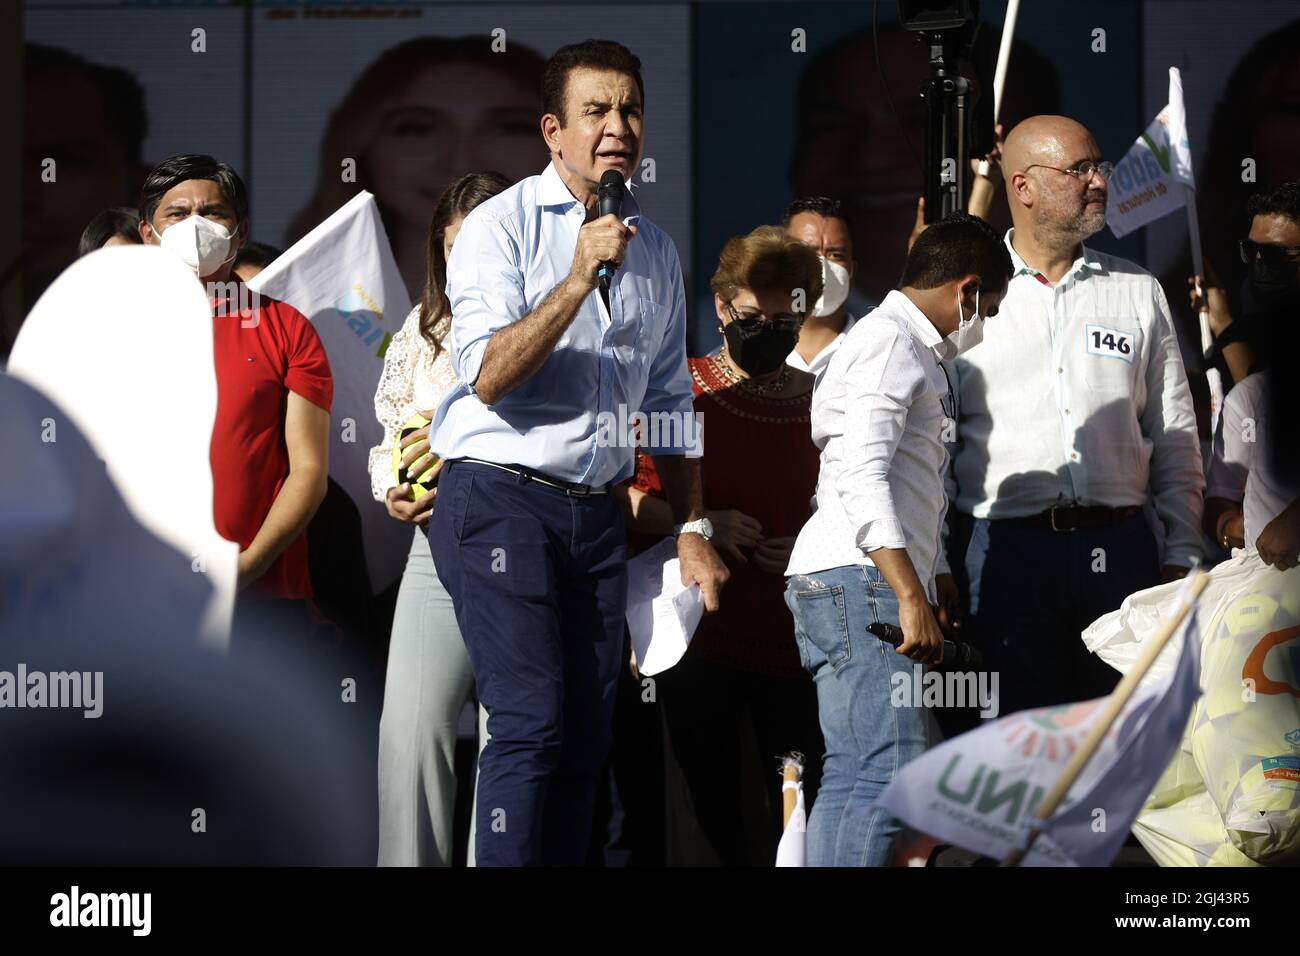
{"type": "Point", "coordinates": [791, 774]}
{"type": "Point", "coordinates": [1114, 705]}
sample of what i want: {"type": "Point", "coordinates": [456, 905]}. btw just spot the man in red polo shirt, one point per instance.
{"type": "Point", "coordinates": [270, 438]}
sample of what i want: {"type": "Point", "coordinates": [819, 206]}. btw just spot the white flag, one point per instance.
{"type": "Point", "coordinates": [979, 791]}
{"type": "Point", "coordinates": [1148, 181]}
{"type": "Point", "coordinates": [342, 276]}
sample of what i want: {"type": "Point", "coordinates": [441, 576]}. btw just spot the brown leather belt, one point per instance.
{"type": "Point", "coordinates": [1071, 517]}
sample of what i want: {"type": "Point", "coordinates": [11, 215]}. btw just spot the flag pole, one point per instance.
{"type": "Point", "coordinates": [1192, 589]}
{"type": "Point", "coordinates": [1198, 267]}
{"type": "Point", "coordinates": [1004, 57]}
{"type": "Point", "coordinates": [791, 777]}
{"type": "Point", "coordinates": [980, 190]}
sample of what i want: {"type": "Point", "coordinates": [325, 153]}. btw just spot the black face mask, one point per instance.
{"type": "Point", "coordinates": [761, 350]}
{"type": "Point", "coordinates": [1272, 285]}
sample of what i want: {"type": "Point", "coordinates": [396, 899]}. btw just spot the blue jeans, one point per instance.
{"type": "Point", "coordinates": [539, 583]}
{"type": "Point", "coordinates": [867, 738]}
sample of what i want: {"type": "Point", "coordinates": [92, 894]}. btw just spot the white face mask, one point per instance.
{"type": "Point", "coordinates": [835, 288]}
{"type": "Point", "coordinates": [200, 243]}
{"type": "Point", "coordinates": [969, 333]}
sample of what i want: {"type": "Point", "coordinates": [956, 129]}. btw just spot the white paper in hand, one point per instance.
{"type": "Point", "coordinates": [662, 613]}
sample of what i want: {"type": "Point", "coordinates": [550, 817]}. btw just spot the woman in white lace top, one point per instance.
{"type": "Point", "coordinates": [429, 678]}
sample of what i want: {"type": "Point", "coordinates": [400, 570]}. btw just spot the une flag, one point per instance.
{"type": "Point", "coordinates": [979, 790]}
{"type": "Point", "coordinates": [1148, 182]}
{"type": "Point", "coordinates": [342, 276]}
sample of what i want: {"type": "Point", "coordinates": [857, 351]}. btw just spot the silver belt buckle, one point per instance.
{"type": "Point", "coordinates": [1051, 517]}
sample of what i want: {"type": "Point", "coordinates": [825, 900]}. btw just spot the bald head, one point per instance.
{"type": "Point", "coordinates": [1046, 139]}
{"type": "Point", "coordinates": [1059, 208]}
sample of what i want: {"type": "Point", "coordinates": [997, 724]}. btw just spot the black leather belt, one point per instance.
{"type": "Point", "coordinates": [1067, 517]}
{"type": "Point", "coordinates": [568, 487]}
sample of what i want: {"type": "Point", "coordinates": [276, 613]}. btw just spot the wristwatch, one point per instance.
{"type": "Point", "coordinates": [702, 526]}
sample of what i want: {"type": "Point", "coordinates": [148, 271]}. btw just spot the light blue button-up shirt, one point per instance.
{"type": "Point", "coordinates": [609, 364]}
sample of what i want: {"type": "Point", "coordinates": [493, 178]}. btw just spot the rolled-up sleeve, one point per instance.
{"type": "Point", "coordinates": [1169, 422]}
{"type": "Point", "coordinates": [880, 386]}
{"type": "Point", "coordinates": [485, 287]}
{"type": "Point", "coordinates": [668, 387]}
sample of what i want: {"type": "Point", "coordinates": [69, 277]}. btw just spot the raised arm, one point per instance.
{"type": "Point", "coordinates": [503, 347]}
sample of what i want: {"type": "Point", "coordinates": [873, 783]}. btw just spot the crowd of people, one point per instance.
{"type": "Point", "coordinates": [998, 453]}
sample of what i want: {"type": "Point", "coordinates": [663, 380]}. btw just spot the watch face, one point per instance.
{"type": "Point", "coordinates": [706, 527]}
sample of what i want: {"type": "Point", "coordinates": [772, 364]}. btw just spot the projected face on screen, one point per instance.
{"type": "Point", "coordinates": [82, 126]}
{"type": "Point", "coordinates": [851, 146]}
{"type": "Point", "coordinates": [449, 120]}
{"type": "Point", "coordinates": [424, 113]}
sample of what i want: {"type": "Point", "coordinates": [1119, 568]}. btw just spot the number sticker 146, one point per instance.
{"type": "Point", "coordinates": [1111, 343]}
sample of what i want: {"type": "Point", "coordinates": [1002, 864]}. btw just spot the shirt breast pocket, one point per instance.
{"type": "Point", "coordinates": [1111, 353]}
{"type": "Point", "coordinates": [651, 315]}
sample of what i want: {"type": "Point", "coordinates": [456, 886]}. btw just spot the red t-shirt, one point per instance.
{"type": "Point", "coordinates": [759, 459]}
{"type": "Point", "coordinates": [260, 359]}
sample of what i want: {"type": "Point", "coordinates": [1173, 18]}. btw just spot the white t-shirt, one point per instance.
{"type": "Point", "coordinates": [1242, 468]}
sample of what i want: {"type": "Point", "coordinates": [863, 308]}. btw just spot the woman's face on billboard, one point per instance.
{"type": "Point", "coordinates": [450, 119]}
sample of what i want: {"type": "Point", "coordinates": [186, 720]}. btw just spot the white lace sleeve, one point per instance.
{"type": "Point", "coordinates": [393, 399]}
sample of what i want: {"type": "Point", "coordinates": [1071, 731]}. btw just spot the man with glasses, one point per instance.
{"type": "Point", "coordinates": [870, 552]}
{"type": "Point", "coordinates": [1075, 421]}
{"type": "Point", "coordinates": [1252, 501]}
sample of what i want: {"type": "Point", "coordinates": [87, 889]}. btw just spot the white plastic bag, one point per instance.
{"type": "Point", "coordinates": [1231, 796]}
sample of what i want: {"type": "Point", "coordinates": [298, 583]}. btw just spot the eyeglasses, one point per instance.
{"type": "Point", "coordinates": [949, 403]}
{"type": "Point", "coordinates": [1083, 171]}
{"type": "Point", "coordinates": [1271, 255]}
{"type": "Point", "coordinates": [753, 321]}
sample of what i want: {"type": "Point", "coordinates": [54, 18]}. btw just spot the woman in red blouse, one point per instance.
{"type": "Point", "coordinates": [739, 699]}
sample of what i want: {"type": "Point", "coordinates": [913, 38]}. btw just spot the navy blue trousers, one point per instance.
{"type": "Point", "coordinates": [1033, 590]}
{"type": "Point", "coordinates": [539, 583]}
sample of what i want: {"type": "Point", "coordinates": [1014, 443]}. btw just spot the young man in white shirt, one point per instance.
{"type": "Point", "coordinates": [1075, 418]}
{"type": "Point", "coordinates": [881, 416]}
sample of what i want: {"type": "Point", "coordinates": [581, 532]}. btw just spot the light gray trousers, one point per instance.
{"type": "Point", "coordinates": [427, 684]}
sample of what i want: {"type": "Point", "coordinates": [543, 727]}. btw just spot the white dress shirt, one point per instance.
{"type": "Point", "coordinates": [413, 380]}
{"type": "Point", "coordinates": [878, 418]}
{"type": "Point", "coordinates": [510, 253]}
{"type": "Point", "coordinates": [818, 364]}
{"type": "Point", "coordinates": [1078, 393]}
{"type": "Point", "coordinates": [1242, 468]}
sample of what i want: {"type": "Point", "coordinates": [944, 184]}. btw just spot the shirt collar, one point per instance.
{"type": "Point", "coordinates": [1087, 260]}
{"type": "Point", "coordinates": [551, 191]}
{"type": "Point", "coordinates": [923, 327]}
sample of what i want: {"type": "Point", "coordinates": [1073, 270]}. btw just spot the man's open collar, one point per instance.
{"type": "Point", "coordinates": [1086, 260]}
{"type": "Point", "coordinates": [552, 191]}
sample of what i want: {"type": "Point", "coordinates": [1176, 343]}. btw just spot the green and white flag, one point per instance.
{"type": "Point", "coordinates": [343, 277]}
{"type": "Point", "coordinates": [1149, 181]}
{"type": "Point", "coordinates": [979, 790]}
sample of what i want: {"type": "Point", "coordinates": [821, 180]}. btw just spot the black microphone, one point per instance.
{"type": "Point", "coordinates": [957, 655]}
{"type": "Point", "coordinates": [611, 193]}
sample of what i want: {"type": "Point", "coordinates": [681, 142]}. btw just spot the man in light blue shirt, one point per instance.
{"type": "Point", "coordinates": [525, 535]}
